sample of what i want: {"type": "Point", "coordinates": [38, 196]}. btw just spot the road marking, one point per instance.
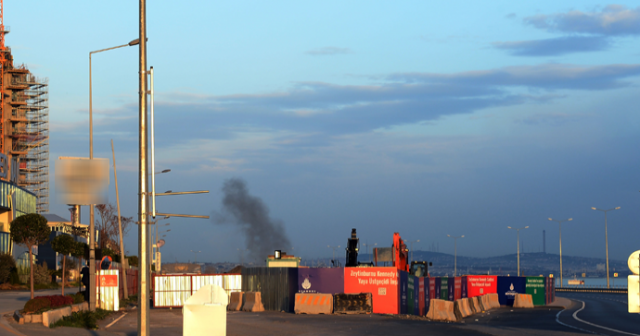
{"type": "Point", "coordinates": [6, 327]}
{"type": "Point", "coordinates": [575, 316]}
{"type": "Point", "coordinates": [570, 326]}
{"type": "Point", "coordinates": [116, 320]}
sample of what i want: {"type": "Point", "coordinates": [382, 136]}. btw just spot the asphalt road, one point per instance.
{"type": "Point", "coordinates": [605, 314]}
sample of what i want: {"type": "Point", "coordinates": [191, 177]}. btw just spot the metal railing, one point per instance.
{"type": "Point", "coordinates": [593, 289]}
{"type": "Point", "coordinates": [173, 290]}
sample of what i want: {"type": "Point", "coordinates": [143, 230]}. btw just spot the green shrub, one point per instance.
{"type": "Point", "coordinates": [7, 265]}
{"type": "Point", "coordinates": [78, 297]}
{"type": "Point", "coordinates": [82, 319]}
{"type": "Point", "coordinates": [41, 274]}
{"type": "Point", "coordinates": [14, 277]}
{"type": "Point", "coordinates": [37, 304]}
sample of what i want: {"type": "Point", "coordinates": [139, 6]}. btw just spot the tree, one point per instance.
{"type": "Point", "coordinates": [107, 225]}
{"type": "Point", "coordinates": [30, 230]}
{"type": "Point", "coordinates": [65, 245]}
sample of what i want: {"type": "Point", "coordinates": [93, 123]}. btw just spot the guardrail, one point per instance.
{"type": "Point", "coordinates": [595, 289]}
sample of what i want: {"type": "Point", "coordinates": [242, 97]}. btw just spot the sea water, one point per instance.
{"type": "Point", "coordinates": [596, 282]}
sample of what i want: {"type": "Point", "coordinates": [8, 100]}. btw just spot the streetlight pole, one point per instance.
{"type": "Point", "coordinates": [560, 226]}
{"type": "Point", "coordinates": [606, 237]}
{"type": "Point", "coordinates": [526, 227]}
{"type": "Point", "coordinates": [143, 229]}
{"type": "Point", "coordinates": [455, 253]}
{"type": "Point", "coordinates": [92, 228]}
{"type": "Point", "coordinates": [196, 255]}
{"type": "Point", "coordinates": [411, 247]}
{"type": "Point", "coordinates": [334, 248]}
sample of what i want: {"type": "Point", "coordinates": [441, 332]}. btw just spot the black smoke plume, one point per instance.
{"type": "Point", "coordinates": [263, 235]}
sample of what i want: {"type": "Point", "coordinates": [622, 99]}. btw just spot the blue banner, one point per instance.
{"type": "Point", "coordinates": [508, 287]}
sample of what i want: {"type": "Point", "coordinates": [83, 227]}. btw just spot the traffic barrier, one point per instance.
{"type": "Point", "coordinates": [523, 301]}
{"type": "Point", "coordinates": [477, 302]}
{"type": "Point", "coordinates": [472, 306]}
{"type": "Point", "coordinates": [486, 304]}
{"type": "Point", "coordinates": [352, 303]}
{"type": "Point", "coordinates": [441, 310]}
{"type": "Point", "coordinates": [314, 303]}
{"type": "Point", "coordinates": [461, 308]}
{"type": "Point", "coordinates": [252, 302]}
{"type": "Point", "coordinates": [493, 300]}
{"type": "Point", "coordinates": [235, 301]}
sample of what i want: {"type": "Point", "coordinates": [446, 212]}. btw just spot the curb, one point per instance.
{"type": "Point", "coordinates": [5, 325]}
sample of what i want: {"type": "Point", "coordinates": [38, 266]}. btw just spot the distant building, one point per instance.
{"type": "Point", "coordinates": [284, 261]}
{"type": "Point", "coordinates": [181, 268]}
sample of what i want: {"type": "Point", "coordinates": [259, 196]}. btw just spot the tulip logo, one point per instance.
{"type": "Point", "coordinates": [306, 284]}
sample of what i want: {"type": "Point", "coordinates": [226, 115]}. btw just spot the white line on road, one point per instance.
{"type": "Point", "coordinates": [116, 320]}
{"type": "Point", "coordinates": [570, 326]}
{"type": "Point", "coordinates": [575, 316]}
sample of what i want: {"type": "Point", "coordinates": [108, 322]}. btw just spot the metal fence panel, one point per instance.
{"type": "Point", "coordinates": [276, 285]}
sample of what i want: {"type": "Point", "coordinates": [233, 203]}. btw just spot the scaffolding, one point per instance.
{"type": "Point", "coordinates": [25, 127]}
{"type": "Point", "coordinates": [24, 124]}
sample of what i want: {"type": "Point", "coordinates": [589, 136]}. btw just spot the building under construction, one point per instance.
{"type": "Point", "coordinates": [24, 123]}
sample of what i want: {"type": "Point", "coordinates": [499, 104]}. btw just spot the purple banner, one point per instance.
{"type": "Point", "coordinates": [321, 280]}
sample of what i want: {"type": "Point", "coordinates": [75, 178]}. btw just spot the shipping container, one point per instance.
{"type": "Point", "coordinates": [410, 295]}
{"type": "Point", "coordinates": [536, 288]}
{"type": "Point", "coordinates": [481, 284]}
{"type": "Point", "coordinates": [508, 287]}
{"type": "Point", "coordinates": [277, 285]}
{"type": "Point", "coordinates": [422, 284]}
{"type": "Point", "coordinates": [432, 288]}
{"type": "Point", "coordinates": [381, 282]}
{"type": "Point", "coordinates": [429, 289]}
{"type": "Point", "coordinates": [321, 280]}
{"type": "Point", "coordinates": [404, 299]}
{"type": "Point", "coordinates": [464, 287]}
{"type": "Point", "coordinates": [444, 288]}
{"type": "Point", "coordinates": [451, 288]}
{"type": "Point", "coordinates": [457, 288]}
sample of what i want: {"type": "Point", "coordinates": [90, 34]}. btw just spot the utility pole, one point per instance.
{"type": "Point", "coordinates": [143, 230]}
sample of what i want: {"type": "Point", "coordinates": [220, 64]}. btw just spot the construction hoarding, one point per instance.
{"type": "Point", "coordinates": [321, 280]}
{"type": "Point", "coordinates": [381, 282]}
{"type": "Point", "coordinates": [508, 287]}
{"type": "Point", "coordinates": [536, 288]}
{"type": "Point", "coordinates": [277, 285]}
{"type": "Point", "coordinates": [481, 284]}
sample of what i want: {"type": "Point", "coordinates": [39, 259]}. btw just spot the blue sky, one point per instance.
{"type": "Point", "coordinates": [418, 117]}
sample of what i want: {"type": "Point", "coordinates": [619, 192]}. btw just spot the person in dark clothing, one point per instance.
{"type": "Point", "coordinates": [85, 282]}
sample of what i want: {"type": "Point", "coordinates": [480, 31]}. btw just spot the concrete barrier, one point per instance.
{"type": "Point", "coordinates": [235, 301]}
{"type": "Point", "coordinates": [314, 303]}
{"type": "Point", "coordinates": [441, 310]}
{"type": "Point", "coordinates": [493, 300]}
{"type": "Point", "coordinates": [477, 302]}
{"type": "Point", "coordinates": [472, 306]}
{"type": "Point", "coordinates": [461, 308]}
{"type": "Point", "coordinates": [485, 302]}
{"type": "Point", "coordinates": [353, 303]}
{"type": "Point", "coordinates": [50, 317]}
{"type": "Point", "coordinates": [523, 301]}
{"type": "Point", "coordinates": [252, 302]}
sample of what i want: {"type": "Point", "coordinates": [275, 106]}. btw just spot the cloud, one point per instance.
{"type": "Point", "coordinates": [555, 46]}
{"type": "Point", "coordinates": [329, 51]}
{"type": "Point", "coordinates": [612, 20]}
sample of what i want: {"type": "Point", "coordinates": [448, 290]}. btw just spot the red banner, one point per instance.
{"type": "Point", "coordinates": [381, 282]}
{"type": "Point", "coordinates": [432, 288]}
{"type": "Point", "coordinates": [108, 280]}
{"type": "Point", "coordinates": [481, 284]}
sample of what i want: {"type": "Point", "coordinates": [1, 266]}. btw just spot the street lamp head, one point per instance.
{"type": "Point", "coordinates": [417, 241]}
{"type": "Point", "coordinates": [526, 227]}
{"type": "Point", "coordinates": [617, 208]}
{"type": "Point", "coordinates": [570, 219]}
{"type": "Point", "coordinates": [462, 236]}
{"type": "Point", "coordinates": [134, 42]}
{"type": "Point", "coordinates": [508, 227]}
{"type": "Point", "coordinates": [448, 235]}
{"type": "Point", "coordinates": [550, 218]}
{"type": "Point", "coordinates": [593, 208]}
{"type": "Point", "coordinates": [166, 171]}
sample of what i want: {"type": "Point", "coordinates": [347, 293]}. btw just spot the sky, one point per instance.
{"type": "Point", "coordinates": [418, 117]}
